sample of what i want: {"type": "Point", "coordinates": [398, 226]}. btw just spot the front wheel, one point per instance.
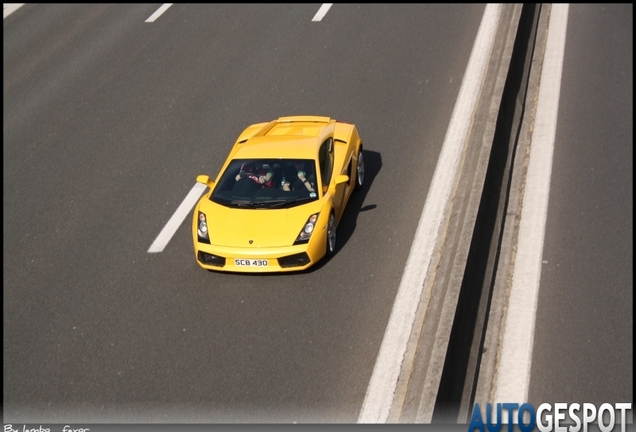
{"type": "Point", "coordinates": [360, 170]}
{"type": "Point", "coordinates": [331, 235]}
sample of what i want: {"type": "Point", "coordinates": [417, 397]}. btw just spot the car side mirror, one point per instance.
{"type": "Point", "coordinates": [205, 180]}
{"type": "Point", "coordinates": [337, 181]}
{"type": "Point", "coordinates": [342, 179]}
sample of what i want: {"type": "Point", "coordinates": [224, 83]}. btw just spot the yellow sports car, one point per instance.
{"type": "Point", "coordinates": [279, 196]}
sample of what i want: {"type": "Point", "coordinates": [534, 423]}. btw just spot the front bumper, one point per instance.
{"type": "Point", "coordinates": [251, 260]}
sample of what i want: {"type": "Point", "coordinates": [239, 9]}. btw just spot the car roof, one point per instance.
{"type": "Point", "coordinates": [280, 148]}
{"type": "Point", "coordinates": [284, 140]}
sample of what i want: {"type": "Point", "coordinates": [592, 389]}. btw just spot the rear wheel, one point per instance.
{"type": "Point", "coordinates": [331, 235]}
{"type": "Point", "coordinates": [360, 170]}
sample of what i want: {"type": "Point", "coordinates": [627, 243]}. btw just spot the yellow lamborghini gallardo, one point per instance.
{"type": "Point", "coordinates": [279, 196]}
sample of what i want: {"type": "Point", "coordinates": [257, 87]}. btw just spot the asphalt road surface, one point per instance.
{"type": "Point", "coordinates": [108, 120]}
{"type": "Point", "coordinates": [583, 346]}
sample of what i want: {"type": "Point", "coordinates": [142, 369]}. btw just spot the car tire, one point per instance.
{"type": "Point", "coordinates": [331, 235]}
{"type": "Point", "coordinates": [360, 170]}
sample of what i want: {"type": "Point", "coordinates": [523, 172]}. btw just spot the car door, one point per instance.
{"type": "Point", "coordinates": [326, 157]}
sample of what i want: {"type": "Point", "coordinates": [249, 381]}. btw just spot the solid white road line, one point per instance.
{"type": "Point", "coordinates": [322, 12]}
{"type": "Point", "coordinates": [177, 218]}
{"type": "Point", "coordinates": [159, 12]}
{"type": "Point", "coordinates": [381, 390]}
{"type": "Point", "coordinates": [9, 8]}
{"type": "Point", "coordinates": [513, 375]}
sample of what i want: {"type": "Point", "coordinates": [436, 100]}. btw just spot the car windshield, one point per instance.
{"type": "Point", "coordinates": [267, 183]}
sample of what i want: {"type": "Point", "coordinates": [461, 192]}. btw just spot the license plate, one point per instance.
{"type": "Point", "coordinates": [250, 262]}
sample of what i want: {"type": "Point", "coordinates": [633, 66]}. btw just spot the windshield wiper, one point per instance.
{"type": "Point", "coordinates": [266, 204]}
{"type": "Point", "coordinates": [241, 203]}
{"type": "Point", "coordinates": [270, 203]}
{"type": "Point", "coordinates": [257, 204]}
{"type": "Point", "coordinates": [290, 203]}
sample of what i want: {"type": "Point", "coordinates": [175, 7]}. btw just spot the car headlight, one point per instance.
{"type": "Point", "coordinates": [307, 230]}
{"type": "Point", "coordinates": [202, 229]}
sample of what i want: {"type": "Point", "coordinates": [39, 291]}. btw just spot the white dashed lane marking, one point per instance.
{"type": "Point", "coordinates": [321, 12]}
{"type": "Point", "coordinates": [159, 12]}
{"type": "Point", "coordinates": [9, 8]}
{"type": "Point", "coordinates": [177, 218]}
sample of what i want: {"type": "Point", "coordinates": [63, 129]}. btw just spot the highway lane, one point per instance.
{"type": "Point", "coordinates": [583, 346]}
{"type": "Point", "coordinates": [108, 120]}
{"type": "Point", "coordinates": [560, 323]}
